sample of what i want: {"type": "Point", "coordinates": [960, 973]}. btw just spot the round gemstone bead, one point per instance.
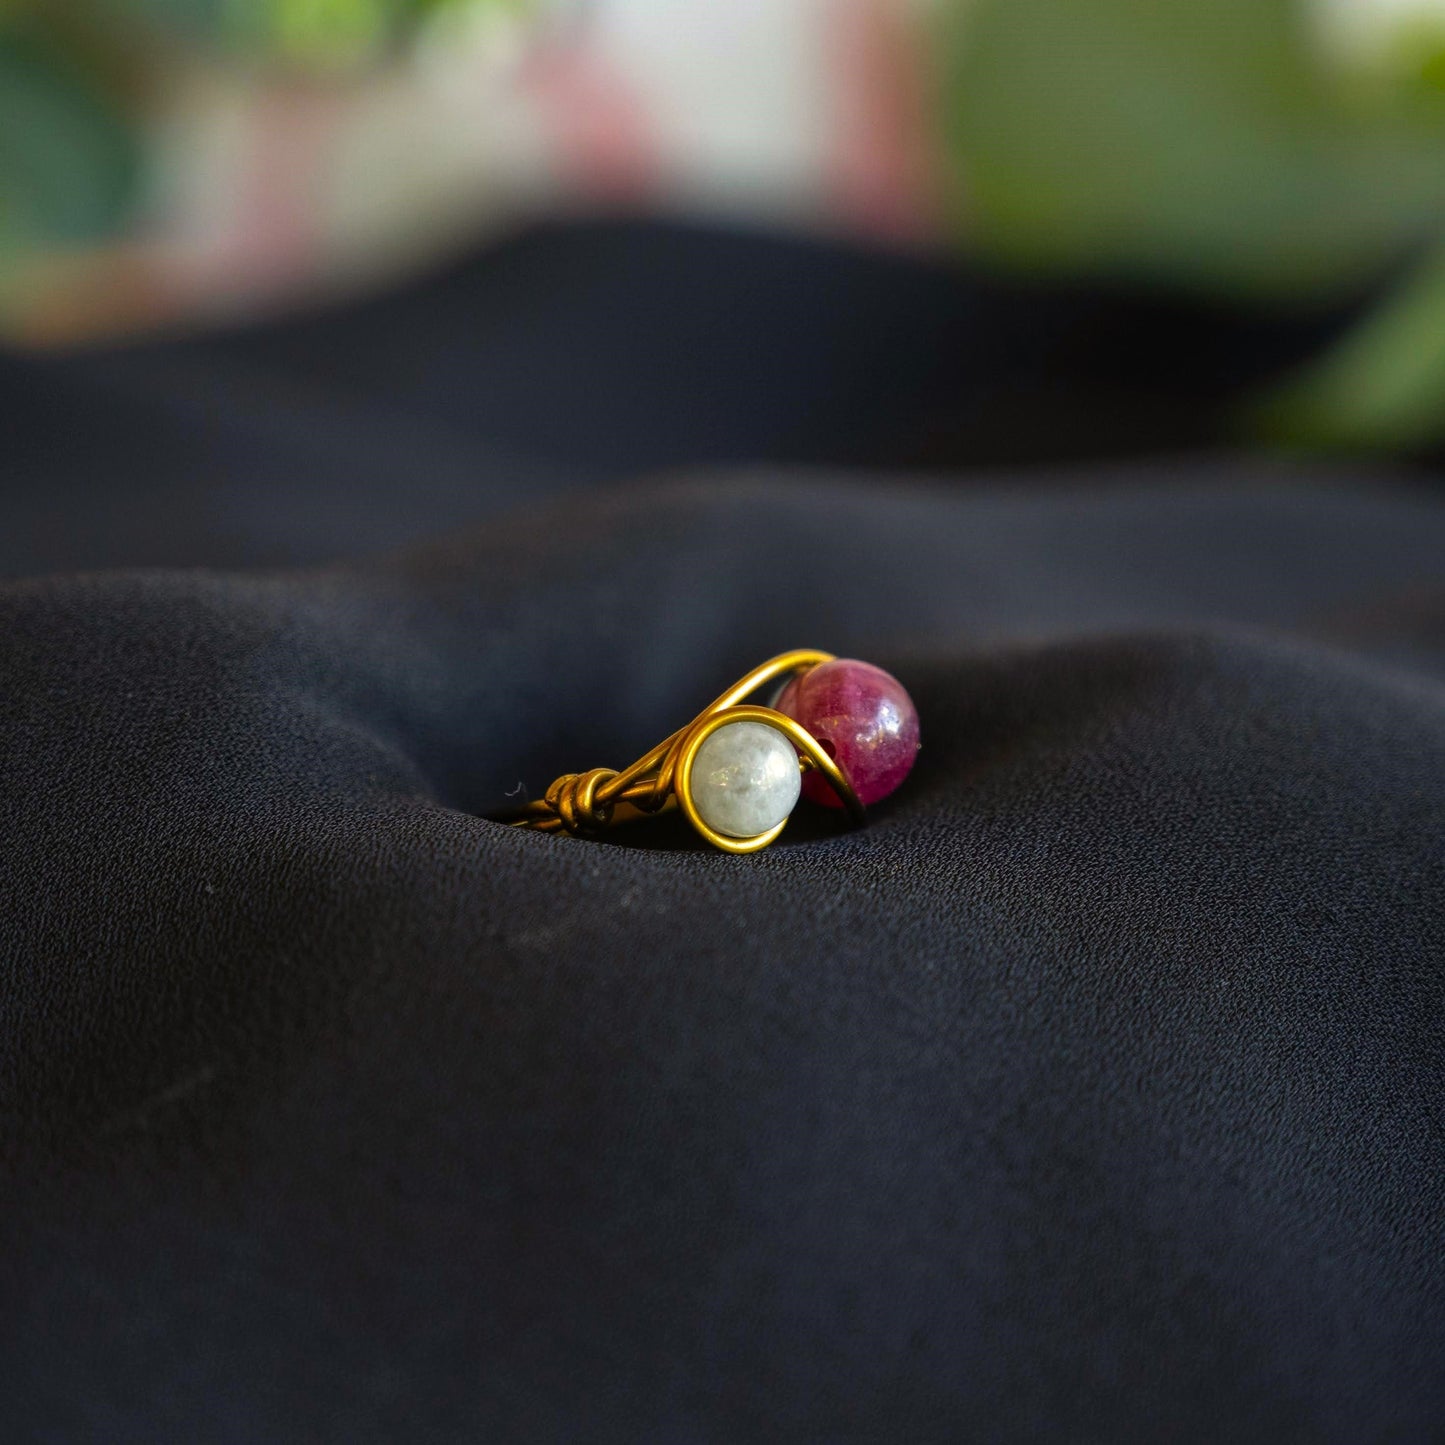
{"type": "Point", "coordinates": [745, 779]}
{"type": "Point", "coordinates": [863, 717]}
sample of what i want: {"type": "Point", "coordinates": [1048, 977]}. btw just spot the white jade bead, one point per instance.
{"type": "Point", "coordinates": [745, 779]}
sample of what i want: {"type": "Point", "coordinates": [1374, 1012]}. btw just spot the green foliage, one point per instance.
{"type": "Point", "coordinates": [1198, 144]}
{"type": "Point", "coordinates": [73, 82]}
{"type": "Point", "coordinates": [68, 160]}
{"type": "Point", "coordinates": [324, 33]}
{"type": "Point", "coordinates": [1211, 147]}
{"type": "Point", "coordinates": [192, 18]}
{"type": "Point", "coordinates": [1383, 387]}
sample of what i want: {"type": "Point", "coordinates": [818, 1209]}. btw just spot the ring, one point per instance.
{"type": "Point", "coordinates": [839, 732]}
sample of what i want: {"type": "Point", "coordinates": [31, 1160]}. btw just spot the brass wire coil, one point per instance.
{"type": "Point", "coordinates": [583, 803]}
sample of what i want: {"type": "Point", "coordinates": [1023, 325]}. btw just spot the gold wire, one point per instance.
{"type": "Point", "coordinates": [580, 803]}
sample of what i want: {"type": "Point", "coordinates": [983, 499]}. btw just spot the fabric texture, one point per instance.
{"type": "Point", "coordinates": [1090, 1092]}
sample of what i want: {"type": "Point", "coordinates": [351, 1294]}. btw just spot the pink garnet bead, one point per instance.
{"type": "Point", "coordinates": [863, 718]}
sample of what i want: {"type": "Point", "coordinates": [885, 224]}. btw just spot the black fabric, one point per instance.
{"type": "Point", "coordinates": [577, 355]}
{"type": "Point", "coordinates": [1091, 1091]}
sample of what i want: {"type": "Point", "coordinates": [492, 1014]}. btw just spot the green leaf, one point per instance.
{"type": "Point", "coordinates": [322, 33]}
{"type": "Point", "coordinates": [69, 164]}
{"type": "Point", "coordinates": [1383, 386]}
{"type": "Point", "coordinates": [1200, 145]}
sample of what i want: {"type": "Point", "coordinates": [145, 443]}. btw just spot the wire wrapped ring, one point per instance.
{"type": "Point", "coordinates": [748, 776]}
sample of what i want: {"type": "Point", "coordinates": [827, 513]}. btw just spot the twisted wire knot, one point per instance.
{"type": "Point", "coordinates": [573, 800]}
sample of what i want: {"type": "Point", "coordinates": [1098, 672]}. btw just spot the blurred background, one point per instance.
{"type": "Point", "coordinates": [557, 241]}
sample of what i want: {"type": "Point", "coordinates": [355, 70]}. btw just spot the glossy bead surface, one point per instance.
{"type": "Point", "coordinates": [864, 717]}
{"type": "Point", "coordinates": [745, 779]}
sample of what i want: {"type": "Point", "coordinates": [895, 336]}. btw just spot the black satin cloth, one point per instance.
{"type": "Point", "coordinates": [1093, 1091]}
